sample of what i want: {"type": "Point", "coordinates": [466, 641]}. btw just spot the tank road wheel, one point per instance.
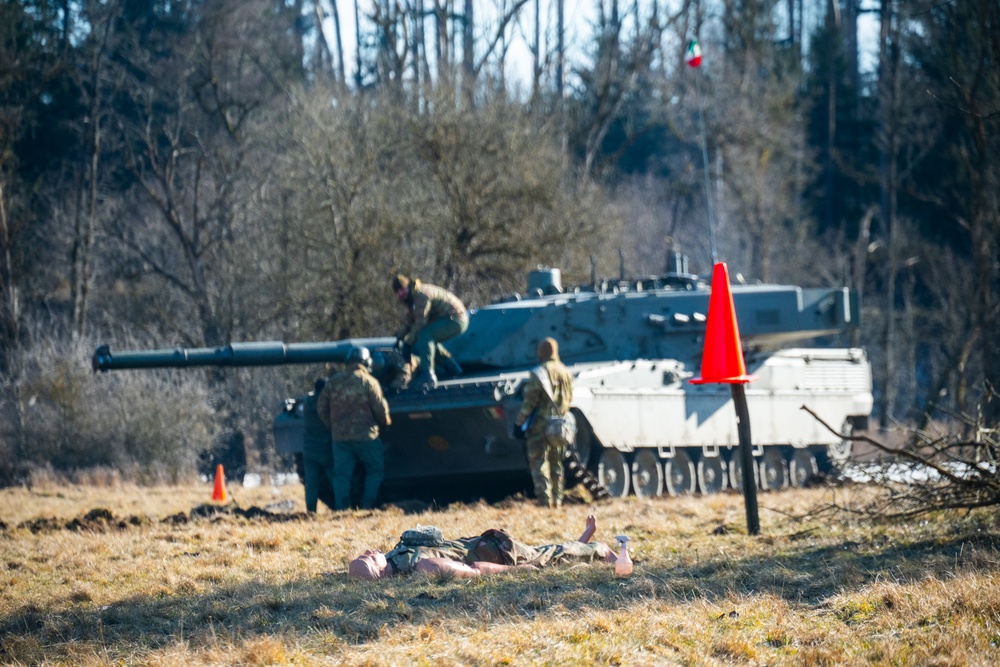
{"type": "Point", "coordinates": [647, 476]}
{"type": "Point", "coordinates": [712, 476]}
{"type": "Point", "coordinates": [801, 467]}
{"type": "Point", "coordinates": [613, 473]}
{"type": "Point", "coordinates": [736, 471]}
{"type": "Point", "coordinates": [680, 473]}
{"type": "Point", "coordinates": [773, 471]}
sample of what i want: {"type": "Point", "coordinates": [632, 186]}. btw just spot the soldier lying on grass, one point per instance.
{"type": "Point", "coordinates": [425, 550]}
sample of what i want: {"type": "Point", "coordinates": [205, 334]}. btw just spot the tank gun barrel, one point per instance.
{"type": "Point", "coordinates": [268, 353]}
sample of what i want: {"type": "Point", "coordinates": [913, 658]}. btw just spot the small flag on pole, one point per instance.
{"type": "Point", "coordinates": [693, 55]}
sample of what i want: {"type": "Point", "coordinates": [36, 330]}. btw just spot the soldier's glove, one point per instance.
{"type": "Point", "coordinates": [406, 350]}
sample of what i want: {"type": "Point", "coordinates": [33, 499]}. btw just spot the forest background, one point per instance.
{"type": "Point", "coordinates": [182, 172]}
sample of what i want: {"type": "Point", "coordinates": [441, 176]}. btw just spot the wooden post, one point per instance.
{"type": "Point", "coordinates": [746, 456]}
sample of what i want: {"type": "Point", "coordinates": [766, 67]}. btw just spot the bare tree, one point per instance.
{"type": "Point", "coordinates": [974, 92]}
{"type": "Point", "coordinates": [187, 154]}
{"type": "Point", "coordinates": [86, 208]}
{"type": "Point", "coordinates": [624, 50]}
{"type": "Point", "coordinates": [502, 196]}
{"type": "Point", "coordinates": [400, 52]}
{"type": "Point", "coordinates": [338, 37]}
{"type": "Point", "coordinates": [181, 257]}
{"type": "Point", "coordinates": [468, 52]}
{"type": "Point", "coordinates": [761, 139]}
{"type": "Point", "coordinates": [561, 74]}
{"type": "Point", "coordinates": [938, 153]}
{"type": "Point", "coordinates": [336, 236]}
{"type": "Point", "coordinates": [10, 306]}
{"type": "Point", "coordinates": [393, 26]}
{"type": "Point", "coordinates": [889, 103]}
{"type": "Point", "coordinates": [443, 11]}
{"type": "Point", "coordinates": [478, 198]}
{"type": "Point", "coordinates": [25, 63]}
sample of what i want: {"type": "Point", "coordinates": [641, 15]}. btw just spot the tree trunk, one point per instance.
{"type": "Point", "coordinates": [560, 70]}
{"type": "Point", "coordinates": [421, 70]}
{"type": "Point", "coordinates": [339, 40]}
{"type": "Point", "coordinates": [536, 55]}
{"type": "Point", "coordinates": [442, 10]}
{"type": "Point", "coordinates": [358, 77]}
{"type": "Point", "coordinates": [10, 300]}
{"type": "Point", "coordinates": [85, 224]}
{"type": "Point", "coordinates": [832, 29]}
{"type": "Point", "coordinates": [887, 208]}
{"type": "Point", "coordinates": [468, 55]}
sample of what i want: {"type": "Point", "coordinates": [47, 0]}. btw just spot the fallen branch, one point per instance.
{"type": "Point", "coordinates": [958, 482]}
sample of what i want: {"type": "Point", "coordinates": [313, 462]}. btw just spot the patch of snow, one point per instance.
{"type": "Point", "coordinates": [908, 473]}
{"type": "Point", "coordinates": [252, 480]}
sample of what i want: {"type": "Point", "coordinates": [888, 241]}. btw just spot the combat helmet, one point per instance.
{"type": "Point", "coordinates": [359, 355]}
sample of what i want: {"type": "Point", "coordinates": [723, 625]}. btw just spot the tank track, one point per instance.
{"type": "Point", "coordinates": [579, 474]}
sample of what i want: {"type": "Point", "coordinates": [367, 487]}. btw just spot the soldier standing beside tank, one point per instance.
{"type": "Point", "coordinates": [547, 397]}
{"type": "Point", "coordinates": [433, 315]}
{"type": "Point", "coordinates": [353, 408]}
{"type": "Point", "coordinates": [317, 453]}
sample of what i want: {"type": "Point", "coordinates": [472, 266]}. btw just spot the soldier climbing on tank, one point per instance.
{"type": "Point", "coordinates": [317, 453]}
{"type": "Point", "coordinates": [433, 315]}
{"type": "Point", "coordinates": [544, 416]}
{"type": "Point", "coordinates": [353, 408]}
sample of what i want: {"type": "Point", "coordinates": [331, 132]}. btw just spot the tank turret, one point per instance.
{"type": "Point", "coordinates": [653, 318]}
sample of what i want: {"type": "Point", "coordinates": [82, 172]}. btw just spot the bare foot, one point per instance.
{"type": "Point", "coordinates": [590, 529]}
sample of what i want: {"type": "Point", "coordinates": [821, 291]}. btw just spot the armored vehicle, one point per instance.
{"type": "Point", "coordinates": [632, 345]}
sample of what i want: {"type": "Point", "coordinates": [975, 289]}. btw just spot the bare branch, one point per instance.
{"type": "Point", "coordinates": [966, 473]}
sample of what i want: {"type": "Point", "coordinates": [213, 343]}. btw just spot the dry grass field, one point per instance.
{"type": "Point", "coordinates": [123, 575]}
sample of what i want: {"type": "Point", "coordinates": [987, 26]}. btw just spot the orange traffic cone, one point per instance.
{"type": "Point", "coordinates": [722, 358]}
{"type": "Point", "coordinates": [219, 493]}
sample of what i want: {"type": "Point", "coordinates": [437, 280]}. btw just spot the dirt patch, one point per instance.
{"type": "Point", "coordinates": [253, 513]}
{"type": "Point", "coordinates": [43, 525]}
{"type": "Point", "coordinates": [100, 520]}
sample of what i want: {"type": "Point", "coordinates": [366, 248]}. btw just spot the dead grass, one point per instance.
{"type": "Point", "coordinates": [146, 587]}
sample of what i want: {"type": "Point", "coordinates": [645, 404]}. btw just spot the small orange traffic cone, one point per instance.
{"type": "Point", "coordinates": [219, 493]}
{"type": "Point", "coordinates": [722, 358]}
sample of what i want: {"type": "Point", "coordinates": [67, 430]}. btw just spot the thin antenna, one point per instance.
{"type": "Point", "coordinates": [621, 264]}
{"type": "Point", "coordinates": [704, 158]}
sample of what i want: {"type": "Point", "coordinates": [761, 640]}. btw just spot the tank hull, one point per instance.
{"type": "Point", "coordinates": [461, 431]}
{"type": "Point", "coordinates": [452, 441]}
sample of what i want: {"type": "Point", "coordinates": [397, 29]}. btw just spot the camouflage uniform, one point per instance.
{"type": "Point", "coordinates": [494, 546]}
{"type": "Point", "coordinates": [317, 456]}
{"type": "Point", "coordinates": [546, 452]}
{"type": "Point", "coordinates": [433, 316]}
{"type": "Point", "coordinates": [404, 557]}
{"type": "Point", "coordinates": [353, 408]}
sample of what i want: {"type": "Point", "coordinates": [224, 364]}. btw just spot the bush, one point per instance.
{"type": "Point", "coordinates": [149, 426]}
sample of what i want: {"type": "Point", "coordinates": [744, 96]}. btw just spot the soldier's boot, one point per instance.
{"type": "Point", "coordinates": [423, 378]}
{"type": "Point", "coordinates": [404, 374]}
{"type": "Point", "coordinates": [449, 367]}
